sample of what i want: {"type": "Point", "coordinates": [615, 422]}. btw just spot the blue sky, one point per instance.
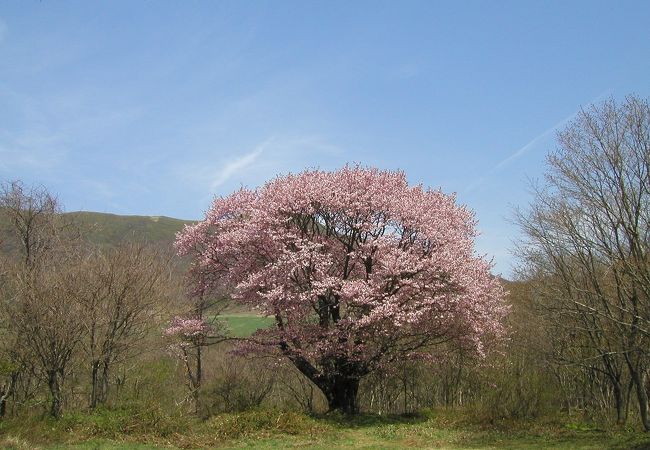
{"type": "Point", "coordinates": [152, 107]}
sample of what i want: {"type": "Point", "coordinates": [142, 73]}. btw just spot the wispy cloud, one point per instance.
{"type": "Point", "coordinates": [525, 149]}
{"type": "Point", "coordinates": [276, 155]}
{"type": "Point", "coordinates": [38, 150]}
{"type": "Point", "coordinates": [44, 132]}
{"type": "Point", "coordinates": [516, 155]}
{"type": "Point", "coordinates": [233, 167]}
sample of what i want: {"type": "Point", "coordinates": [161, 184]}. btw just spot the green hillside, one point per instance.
{"type": "Point", "coordinates": [109, 229]}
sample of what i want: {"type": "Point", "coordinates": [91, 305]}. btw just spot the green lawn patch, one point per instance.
{"type": "Point", "coordinates": [245, 324]}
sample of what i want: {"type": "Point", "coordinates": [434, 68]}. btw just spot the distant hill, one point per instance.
{"type": "Point", "coordinates": [111, 229]}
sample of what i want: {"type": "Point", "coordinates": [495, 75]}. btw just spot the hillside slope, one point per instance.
{"type": "Point", "coordinates": [109, 229]}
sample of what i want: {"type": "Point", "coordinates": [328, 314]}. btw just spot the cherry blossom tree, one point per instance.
{"type": "Point", "coordinates": [358, 268]}
{"type": "Point", "coordinates": [189, 335]}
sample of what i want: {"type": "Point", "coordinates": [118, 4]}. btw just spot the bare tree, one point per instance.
{"type": "Point", "coordinates": [45, 319]}
{"type": "Point", "coordinates": [587, 236]}
{"type": "Point", "coordinates": [63, 297]}
{"type": "Point", "coordinates": [39, 317]}
{"type": "Point", "coordinates": [33, 214]}
{"type": "Point", "coordinates": [123, 292]}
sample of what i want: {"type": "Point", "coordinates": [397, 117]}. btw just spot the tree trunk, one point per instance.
{"type": "Point", "coordinates": [94, 393]}
{"type": "Point", "coordinates": [339, 382]}
{"type": "Point", "coordinates": [198, 379]}
{"type": "Point", "coordinates": [103, 393]}
{"type": "Point", "coordinates": [621, 407]}
{"type": "Point", "coordinates": [6, 391]}
{"type": "Point", "coordinates": [55, 391]}
{"type": "Point", "coordinates": [3, 403]}
{"type": "Point", "coordinates": [341, 393]}
{"type": "Point", "coordinates": [642, 395]}
{"type": "Point", "coordinates": [637, 374]}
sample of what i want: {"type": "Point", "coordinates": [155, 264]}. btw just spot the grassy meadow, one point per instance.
{"type": "Point", "coordinates": [267, 429]}
{"type": "Point", "coordinates": [141, 427]}
{"type": "Point", "coordinates": [244, 324]}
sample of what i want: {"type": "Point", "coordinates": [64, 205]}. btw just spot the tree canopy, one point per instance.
{"type": "Point", "coordinates": [357, 267]}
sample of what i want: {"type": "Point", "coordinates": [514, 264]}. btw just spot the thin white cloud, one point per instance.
{"type": "Point", "coordinates": [277, 155]}
{"type": "Point", "coordinates": [236, 165]}
{"type": "Point", "coordinates": [525, 149]}
{"type": "Point", "coordinates": [292, 154]}
{"type": "Point", "coordinates": [50, 129]}
{"type": "Point", "coordinates": [35, 151]}
{"type": "Point", "coordinates": [516, 155]}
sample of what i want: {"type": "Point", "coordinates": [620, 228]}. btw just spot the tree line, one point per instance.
{"type": "Point", "coordinates": [68, 303]}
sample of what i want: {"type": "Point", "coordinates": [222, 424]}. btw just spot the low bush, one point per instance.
{"type": "Point", "coordinates": [263, 422]}
{"type": "Point", "coordinates": [129, 419]}
{"type": "Point", "coordinates": [237, 385]}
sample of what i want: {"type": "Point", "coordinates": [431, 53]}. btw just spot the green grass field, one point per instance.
{"type": "Point", "coordinates": [245, 324]}
{"type": "Point", "coordinates": [273, 429]}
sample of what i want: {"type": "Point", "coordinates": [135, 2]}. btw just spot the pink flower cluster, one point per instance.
{"type": "Point", "coordinates": [187, 328]}
{"type": "Point", "coordinates": [353, 263]}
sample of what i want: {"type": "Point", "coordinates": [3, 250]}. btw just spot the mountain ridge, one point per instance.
{"type": "Point", "coordinates": [109, 228]}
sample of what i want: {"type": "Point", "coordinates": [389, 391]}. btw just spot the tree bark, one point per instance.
{"type": "Point", "coordinates": [3, 403]}
{"type": "Point", "coordinates": [341, 393]}
{"type": "Point", "coordinates": [100, 383]}
{"type": "Point", "coordinates": [94, 394]}
{"type": "Point", "coordinates": [103, 393]}
{"type": "Point", "coordinates": [338, 379]}
{"type": "Point", "coordinates": [198, 379]}
{"type": "Point", "coordinates": [340, 388]}
{"type": "Point", "coordinates": [637, 374]}
{"type": "Point", "coordinates": [642, 395]}
{"type": "Point", "coordinates": [55, 391]}
{"type": "Point", "coordinates": [6, 391]}
{"type": "Point", "coordinates": [619, 398]}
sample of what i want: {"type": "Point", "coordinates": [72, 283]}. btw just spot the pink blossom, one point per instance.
{"type": "Point", "coordinates": [354, 265]}
{"type": "Point", "coordinates": [187, 328]}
